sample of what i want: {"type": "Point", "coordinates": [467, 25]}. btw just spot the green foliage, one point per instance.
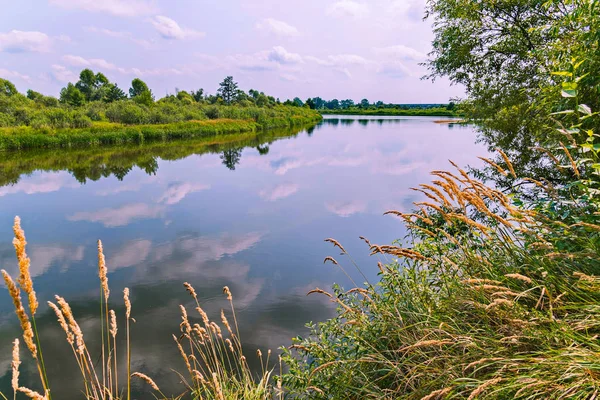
{"type": "Point", "coordinates": [7, 88]}
{"type": "Point", "coordinates": [432, 112]}
{"type": "Point", "coordinates": [228, 90]}
{"type": "Point", "coordinates": [72, 96]}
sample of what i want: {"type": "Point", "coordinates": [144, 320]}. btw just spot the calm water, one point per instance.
{"type": "Point", "coordinates": [251, 214]}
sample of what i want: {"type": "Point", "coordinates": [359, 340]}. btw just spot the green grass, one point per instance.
{"type": "Point", "coordinates": [105, 133]}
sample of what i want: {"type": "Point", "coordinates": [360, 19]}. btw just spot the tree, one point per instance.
{"type": "Point", "coordinates": [115, 93]}
{"type": "Point", "coordinates": [333, 104]}
{"type": "Point", "coordinates": [364, 103]}
{"type": "Point", "coordinates": [138, 87]}
{"type": "Point", "coordinates": [72, 96]}
{"type": "Point", "coordinates": [297, 102]}
{"type": "Point", "coordinates": [7, 88]}
{"type": "Point", "coordinates": [144, 98]}
{"type": "Point", "coordinates": [230, 158]}
{"type": "Point", "coordinates": [262, 100]}
{"type": "Point", "coordinates": [33, 95]}
{"type": "Point", "coordinates": [198, 95]}
{"type": "Point", "coordinates": [348, 103]}
{"type": "Point", "coordinates": [310, 103]}
{"type": "Point", "coordinates": [228, 90]}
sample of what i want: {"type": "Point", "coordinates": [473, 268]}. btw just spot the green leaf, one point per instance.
{"type": "Point", "coordinates": [568, 93]}
{"type": "Point", "coordinates": [562, 73]}
{"type": "Point", "coordinates": [584, 109]}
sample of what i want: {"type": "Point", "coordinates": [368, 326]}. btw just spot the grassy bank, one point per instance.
{"type": "Point", "coordinates": [414, 112]}
{"type": "Point", "coordinates": [106, 133]}
{"type": "Point", "coordinates": [93, 163]}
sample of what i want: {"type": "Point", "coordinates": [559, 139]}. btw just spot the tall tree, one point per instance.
{"type": "Point", "coordinates": [364, 103]}
{"type": "Point", "coordinates": [228, 90]}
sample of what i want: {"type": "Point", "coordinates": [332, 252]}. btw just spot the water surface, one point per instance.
{"type": "Point", "coordinates": [248, 211]}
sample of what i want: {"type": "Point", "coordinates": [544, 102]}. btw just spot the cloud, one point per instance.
{"type": "Point", "coordinates": [402, 52]}
{"type": "Point", "coordinates": [122, 8]}
{"type": "Point", "coordinates": [276, 27]}
{"type": "Point", "coordinates": [346, 209]}
{"type": "Point", "coordinates": [62, 74]}
{"type": "Point", "coordinates": [25, 41]}
{"type": "Point", "coordinates": [394, 70]}
{"type": "Point", "coordinates": [279, 192]}
{"type": "Point", "coordinates": [170, 29]}
{"type": "Point", "coordinates": [176, 192]}
{"type": "Point", "coordinates": [282, 56]}
{"type": "Point", "coordinates": [348, 8]}
{"type": "Point", "coordinates": [8, 74]}
{"type": "Point", "coordinates": [42, 257]}
{"type": "Point", "coordinates": [129, 255]}
{"type": "Point", "coordinates": [79, 61]}
{"type": "Point", "coordinates": [113, 217]}
{"type": "Point", "coordinates": [46, 183]}
{"type": "Point", "coordinates": [119, 35]}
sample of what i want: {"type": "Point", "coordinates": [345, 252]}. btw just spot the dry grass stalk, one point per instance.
{"type": "Point", "coordinates": [519, 277]}
{"type": "Point", "coordinates": [103, 271]}
{"type": "Point", "coordinates": [113, 324]}
{"type": "Point", "coordinates": [493, 164]}
{"type": "Point", "coordinates": [329, 258]}
{"type": "Point", "coordinates": [481, 388]}
{"type": "Point", "coordinates": [24, 280]}
{"type": "Point", "coordinates": [16, 361]}
{"type": "Point", "coordinates": [427, 343]}
{"type": "Point", "coordinates": [190, 289]}
{"type": "Point", "coordinates": [437, 394]}
{"type": "Point", "coordinates": [508, 163]}
{"type": "Point", "coordinates": [146, 379]}
{"type": "Point", "coordinates": [15, 294]}
{"type": "Point", "coordinates": [62, 322]}
{"type": "Point", "coordinates": [32, 394]}
{"type": "Point", "coordinates": [336, 244]}
{"type": "Point", "coordinates": [573, 165]}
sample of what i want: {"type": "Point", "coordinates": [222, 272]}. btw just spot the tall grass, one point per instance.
{"type": "Point", "coordinates": [216, 365]}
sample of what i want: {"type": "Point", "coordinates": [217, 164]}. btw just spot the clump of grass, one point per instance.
{"type": "Point", "coordinates": [494, 298]}
{"type": "Point", "coordinates": [214, 359]}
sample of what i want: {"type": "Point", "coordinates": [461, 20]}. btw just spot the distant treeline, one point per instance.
{"type": "Point", "coordinates": [367, 107]}
{"type": "Point", "coordinates": [414, 111]}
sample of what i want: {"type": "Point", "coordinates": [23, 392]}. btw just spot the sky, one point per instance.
{"type": "Point", "coordinates": [328, 48]}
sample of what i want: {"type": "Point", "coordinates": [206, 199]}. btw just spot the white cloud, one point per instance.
{"type": "Point", "coordinates": [8, 74]}
{"type": "Point", "coordinates": [394, 70]}
{"type": "Point", "coordinates": [175, 193]}
{"type": "Point", "coordinates": [42, 257]}
{"type": "Point", "coordinates": [119, 35]}
{"type": "Point", "coordinates": [170, 29]}
{"type": "Point", "coordinates": [277, 27]}
{"type": "Point", "coordinates": [282, 56]}
{"type": "Point", "coordinates": [340, 60]}
{"type": "Point", "coordinates": [40, 183]}
{"type": "Point", "coordinates": [279, 192]}
{"type": "Point", "coordinates": [25, 41]}
{"type": "Point", "coordinates": [62, 74]}
{"type": "Point", "coordinates": [348, 8]}
{"type": "Point", "coordinates": [112, 217]}
{"type": "Point", "coordinates": [402, 52]}
{"type": "Point", "coordinates": [346, 209]}
{"type": "Point", "coordinates": [122, 8]}
{"type": "Point", "coordinates": [79, 61]}
{"type": "Point", "coordinates": [129, 255]}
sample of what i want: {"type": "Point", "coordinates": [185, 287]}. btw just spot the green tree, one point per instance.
{"type": "Point", "coordinates": [72, 96]}
{"type": "Point", "coordinates": [228, 90]}
{"type": "Point", "coordinates": [364, 103]}
{"type": "Point", "coordinates": [310, 103]}
{"type": "Point", "coordinates": [144, 98]}
{"type": "Point", "coordinates": [7, 88]}
{"type": "Point", "coordinates": [115, 93]}
{"type": "Point", "coordinates": [198, 95]}
{"type": "Point", "coordinates": [297, 102]}
{"type": "Point", "coordinates": [138, 87]}
{"type": "Point", "coordinates": [33, 95]}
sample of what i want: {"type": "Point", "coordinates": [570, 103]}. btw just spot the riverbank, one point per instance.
{"type": "Point", "coordinates": [107, 133]}
{"type": "Point", "coordinates": [415, 112]}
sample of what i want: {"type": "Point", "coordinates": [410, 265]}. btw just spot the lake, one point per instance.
{"type": "Point", "coordinates": [247, 211]}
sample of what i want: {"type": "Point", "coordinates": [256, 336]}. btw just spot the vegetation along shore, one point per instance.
{"type": "Point", "coordinates": [494, 292]}
{"type": "Point", "coordinates": [96, 112]}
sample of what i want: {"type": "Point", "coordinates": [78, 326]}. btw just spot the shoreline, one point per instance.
{"type": "Point", "coordinates": [107, 134]}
